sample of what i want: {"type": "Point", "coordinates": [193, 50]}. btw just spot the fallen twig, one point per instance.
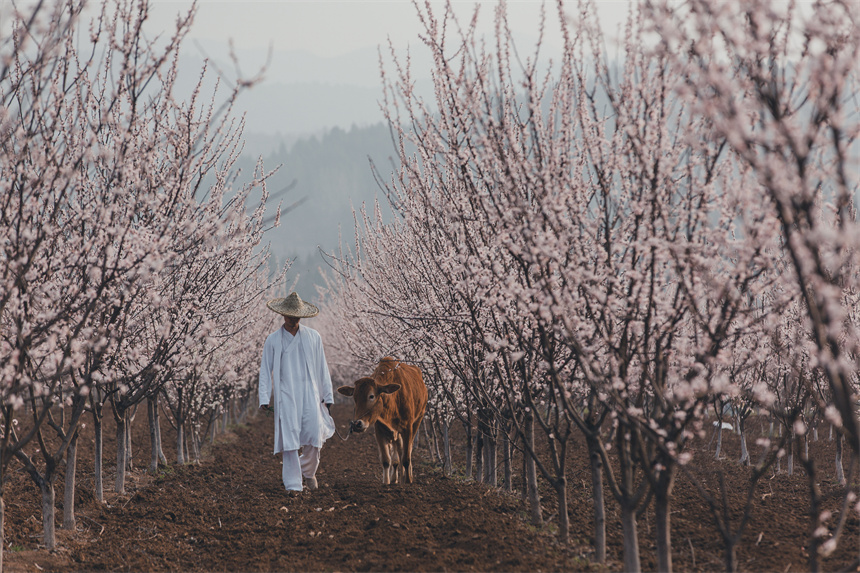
{"type": "Point", "coordinates": [95, 522]}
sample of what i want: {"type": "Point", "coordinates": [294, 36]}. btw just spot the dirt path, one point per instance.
{"type": "Point", "coordinates": [232, 513]}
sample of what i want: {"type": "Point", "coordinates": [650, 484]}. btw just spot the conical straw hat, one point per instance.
{"type": "Point", "coordinates": [293, 306]}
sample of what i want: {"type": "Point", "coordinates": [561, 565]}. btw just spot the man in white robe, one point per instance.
{"type": "Point", "coordinates": [295, 380]}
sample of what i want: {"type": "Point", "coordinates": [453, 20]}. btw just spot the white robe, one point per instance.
{"type": "Point", "coordinates": [300, 386]}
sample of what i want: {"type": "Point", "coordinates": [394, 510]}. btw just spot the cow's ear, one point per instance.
{"type": "Point", "coordinates": [346, 390]}
{"type": "Point", "coordinates": [389, 388]}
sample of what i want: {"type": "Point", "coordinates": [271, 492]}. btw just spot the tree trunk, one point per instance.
{"type": "Point", "coordinates": [531, 472]}
{"type": "Point", "coordinates": [2, 529]}
{"type": "Point", "coordinates": [719, 439]}
{"type": "Point", "coordinates": [662, 497]}
{"type": "Point", "coordinates": [631, 539]}
{"type": "Point", "coordinates": [790, 461]}
{"type": "Point", "coordinates": [213, 430]}
{"type": "Point", "coordinates": [524, 490]}
{"type": "Point", "coordinates": [195, 442]}
{"type": "Point", "coordinates": [731, 558]}
{"type": "Point", "coordinates": [431, 438]}
{"type": "Point", "coordinates": [152, 418]}
{"type": "Point", "coordinates": [69, 493]}
{"type": "Point", "coordinates": [490, 459]}
{"type": "Point", "coordinates": [437, 447]}
{"type": "Point", "coordinates": [468, 428]}
{"type": "Point", "coordinates": [119, 485]}
{"type": "Point", "coordinates": [479, 454]}
{"type": "Point", "coordinates": [98, 458]}
{"type": "Point", "coordinates": [180, 442]}
{"type": "Point", "coordinates": [840, 472]}
{"type": "Point", "coordinates": [664, 550]}
{"type": "Point", "coordinates": [129, 459]}
{"type": "Point", "coordinates": [596, 463]}
{"type": "Point", "coordinates": [157, 420]}
{"type": "Point", "coordinates": [50, 534]}
{"type": "Point", "coordinates": [745, 455]}
{"type": "Point", "coordinates": [560, 486]}
{"type": "Point", "coordinates": [506, 461]}
{"type": "Point", "coordinates": [446, 449]}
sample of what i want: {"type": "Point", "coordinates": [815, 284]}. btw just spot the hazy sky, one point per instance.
{"type": "Point", "coordinates": [324, 70]}
{"type": "Point", "coordinates": [335, 27]}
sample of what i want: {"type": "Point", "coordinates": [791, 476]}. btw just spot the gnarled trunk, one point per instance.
{"type": "Point", "coordinates": [180, 442]}
{"type": "Point", "coordinates": [490, 457]}
{"type": "Point", "coordinates": [560, 486]}
{"type": "Point", "coordinates": [48, 514]}
{"type": "Point", "coordinates": [154, 434]}
{"type": "Point", "coordinates": [506, 461]}
{"type": "Point", "coordinates": [719, 440]}
{"type": "Point", "coordinates": [599, 504]}
{"type": "Point", "coordinates": [446, 449]}
{"type": "Point", "coordinates": [531, 471]}
{"type": "Point", "coordinates": [121, 443]}
{"type": "Point", "coordinates": [98, 455]}
{"type": "Point", "coordinates": [129, 420]}
{"type": "Point", "coordinates": [195, 441]}
{"type": "Point", "coordinates": [790, 461]}
{"type": "Point", "coordinates": [631, 539]}
{"type": "Point", "coordinates": [662, 496]}
{"type": "Point", "coordinates": [840, 472]}
{"type": "Point", "coordinates": [69, 493]}
{"type": "Point", "coordinates": [468, 428]}
{"type": "Point", "coordinates": [731, 558]}
{"type": "Point", "coordinates": [2, 529]}
{"type": "Point", "coordinates": [479, 454]}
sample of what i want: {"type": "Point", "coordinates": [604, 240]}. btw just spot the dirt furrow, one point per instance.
{"type": "Point", "coordinates": [231, 513]}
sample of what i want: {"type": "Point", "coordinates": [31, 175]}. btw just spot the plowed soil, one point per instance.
{"type": "Point", "coordinates": [231, 513]}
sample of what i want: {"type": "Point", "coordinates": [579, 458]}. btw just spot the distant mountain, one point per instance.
{"type": "Point", "coordinates": [300, 94]}
{"type": "Point", "coordinates": [308, 108]}
{"type": "Point", "coordinates": [323, 178]}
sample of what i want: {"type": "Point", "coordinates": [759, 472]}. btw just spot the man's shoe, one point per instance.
{"type": "Point", "coordinates": [293, 493]}
{"type": "Point", "coordinates": [311, 483]}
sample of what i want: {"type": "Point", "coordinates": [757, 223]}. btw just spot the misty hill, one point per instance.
{"type": "Point", "coordinates": [324, 177]}
{"type": "Point", "coordinates": [300, 94]}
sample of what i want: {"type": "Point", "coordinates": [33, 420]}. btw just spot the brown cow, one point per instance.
{"type": "Point", "coordinates": [393, 400]}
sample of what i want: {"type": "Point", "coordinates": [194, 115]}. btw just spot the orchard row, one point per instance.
{"type": "Point", "coordinates": [131, 269]}
{"type": "Point", "coordinates": [614, 245]}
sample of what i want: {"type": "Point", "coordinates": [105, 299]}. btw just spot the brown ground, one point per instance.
{"type": "Point", "coordinates": [231, 513]}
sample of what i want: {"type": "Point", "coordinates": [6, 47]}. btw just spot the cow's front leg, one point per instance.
{"type": "Point", "coordinates": [399, 466]}
{"type": "Point", "coordinates": [396, 458]}
{"type": "Point", "coordinates": [384, 457]}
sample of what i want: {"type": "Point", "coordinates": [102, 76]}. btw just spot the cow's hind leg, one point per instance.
{"type": "Point", "coordinates": [407, 452]}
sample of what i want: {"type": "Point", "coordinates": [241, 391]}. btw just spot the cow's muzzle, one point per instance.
{"type": "Point", "coordinates": [357, 426]}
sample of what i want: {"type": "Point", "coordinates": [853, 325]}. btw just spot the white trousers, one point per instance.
{"type": "Point", "coordinates": [297, 466]}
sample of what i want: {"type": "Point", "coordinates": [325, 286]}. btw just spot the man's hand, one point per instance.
{"type": "Point", "coordinates": [267, 408]}
{"type": "Point", "coordinates": [329, 408]}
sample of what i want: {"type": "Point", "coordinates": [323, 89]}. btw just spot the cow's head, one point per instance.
{"type": "Point", "coordinates": [367, 395]}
